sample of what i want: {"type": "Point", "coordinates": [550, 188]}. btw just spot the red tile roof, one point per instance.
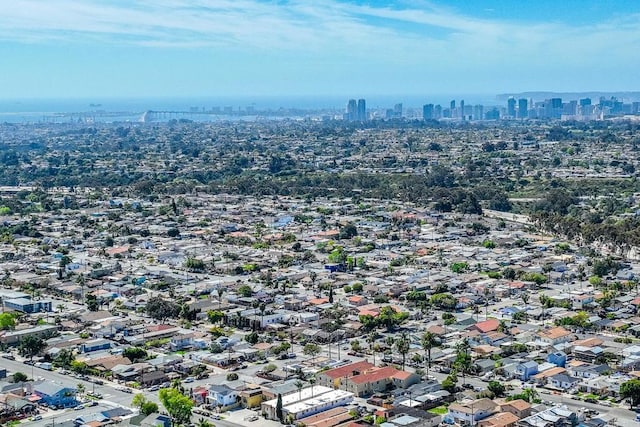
{"type": "Point", "coordinates": [348, 370]}
{"type": "Point", "coordinates": [488, 325]}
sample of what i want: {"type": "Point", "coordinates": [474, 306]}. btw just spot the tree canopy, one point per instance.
{"type": "Point", "coordinates": [177, 405]}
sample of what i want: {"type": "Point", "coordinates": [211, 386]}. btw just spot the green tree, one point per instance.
{"type": "Point", "coordinates": [348, 231]}
{"type": "Point", "coordinates": [31, 346]}
{"type": "Point", "coordinates": [449, 383]}
{"type": "Point", "coordinates": [252, 338]}
{"type": "Point", "coordinates": [7, 321]}
{"type": "Point", "coordinates": [311, 350]}
{"type": "Point", "coordinates": [390, 318]}
{"type": "Point", "coordinates": [245, 291]}
{"type": "Point", "coordinates": [215, 316]}
{"type": "Point", "coordinates": [202, 422]}
{"type": "Point", "coordinates": [279, 413]}
{"type": "Point", "coordinates": [177, 405]}
{"type": "Point", "coordinates": [149, 408]}
{"type": "Point", "coordinates": [138, 400]}
{"type": "Point", "coordinates": [630, 390]}
{"type": "Point", "coordinates": [497, 388]}
{"type": "Point", "coordinates": [64, 358]}
{"type": "Point", "coordinates": [92, 302]}
{"type": "Point", "coordinates": [19, 377]}
{"type": "Point", "coordinates": [162, 309]}
{"type": "Point", "coordinates": [135, 354]}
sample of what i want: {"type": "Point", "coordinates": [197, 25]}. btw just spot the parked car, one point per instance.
{"type": "Point", "coordinates": [154, 388]}
{"type": "Point", "coordinates": [189, 380]}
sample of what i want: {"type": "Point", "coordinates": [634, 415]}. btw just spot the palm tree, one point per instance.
{"type": "Point", "coordinates": [204, 423]}
{"type": "Point", "coordinates": [530, 394]}
{"type": "Point", "coordinates": [312, 381]}
{"type": "Point", "coordinates": [299, 385]}
{"type": "Point", "coordinates": [82, 282]}
{"type": "Point", "coordinates": [525, 298]}
{"type": "Point", "coordinates": [428, 341]}
{"type": "Point", "coordinates": [371, 339]}
{"type": "Point", "coordinates": [402, 345]}
{"type": "Point", "coordinates": [220, 292]}
{"type": "Point", "coordinates": [486, 301]}
{"type": "Point", "coordinates": [463, 361]}
{"type": "Point", "coordinates": [262, 308]}
{"type": "Point", "coordinates": [80, 388]}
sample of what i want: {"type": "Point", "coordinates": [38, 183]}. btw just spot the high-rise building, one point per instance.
{"type": "Point", "coordinates": [523, 108]}
{"type": "Point", "coordinates": [461, 115]}
{"type": "Point", "coordinates": [352, 110]}
{"type": "Point", "coordinates": [397, 110]}
{"type": "Point", "coordinates": [478, 112]}
{"type": "Point", "coordinates": [452, 108]}
{"type": "Point", "coordinates": [511, 107]}
{"type": "Point", "coordinates": [427, 112]}
{"type": "Point", "coordinates": [362, 110]}
{"type": "Point", "coordinates": [585, 101]}
{"type": "Point", "coordinates": [437, 112]}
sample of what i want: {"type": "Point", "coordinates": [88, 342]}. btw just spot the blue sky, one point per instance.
{"type": "Point", "coordinates": [141, 48]}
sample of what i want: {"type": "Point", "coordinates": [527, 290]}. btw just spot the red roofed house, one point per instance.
{"type": "Point", "coordinates": [488, 325]}
{"type": "Point", "coordinates": [363, 378]}
{"type": "Point", "coordinates": [334, 377]}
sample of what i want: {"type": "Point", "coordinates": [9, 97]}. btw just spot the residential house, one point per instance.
{"type": "Point", "coordinates": [489, 325]}
{"type": "Point", "coordinates": [473, 411]}
{"type": "Point", "coordinates": [587, 354]}
{"type": "Point", "coordinates": [222, 396]}
{"type": "Point", "coordinates": [333, 377]}
{"type": "Point", "coordinates": [183, 341]}
{"type": "Point", "coordinates": [555, 335]}
{"type": "Point", "coordinates": [55, 395]}
{"type": "Point", "coordinates": [558, 358]}
{"type": "Point", "coordinates": [251, 397]}
{"type": "Point", "coordinates": [551, 417]}
{"type": "Point", "coordinates": [589, 371]}
{"type": "Point", "coordinates": [562, 381]}
{"type": "Point", "coordinates": [518, 407]}
{"type": "Point", "coordinates": [526, 370]}
{"type": "Point", "coordinates": [14, 406]}
{"type": "Point", "coordinates": [501, 419]}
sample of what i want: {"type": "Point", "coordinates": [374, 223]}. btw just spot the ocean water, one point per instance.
{"type": "Point", "coordinates": [132, 109]}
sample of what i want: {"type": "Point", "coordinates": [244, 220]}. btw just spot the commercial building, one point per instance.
{"type": "Point", "coordinates": [29, 306]}
{"type": "Point", "coordinates": [307, 402]}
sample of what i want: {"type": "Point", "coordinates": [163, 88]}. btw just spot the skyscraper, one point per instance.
{"type": "Point", "coordinates": [511, 107]}
{"type": "Point", "coordinates": [452, 108]}
{"type": "Point", "coordinates": [352, 110]}
{"type": "Point", "coordinates": [397, 110]}
{"type": "Point", "coordinates": [523, 108]}
{"type": "Point", "coordinates": [427, 112]}
{"type": "Point", "coordinates": [362, 110]}
{"type": "Point", "coordinates": [461, 115]}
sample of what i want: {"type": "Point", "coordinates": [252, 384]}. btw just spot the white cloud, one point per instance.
{"type": "Point", "coordinates": [326, 27]}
